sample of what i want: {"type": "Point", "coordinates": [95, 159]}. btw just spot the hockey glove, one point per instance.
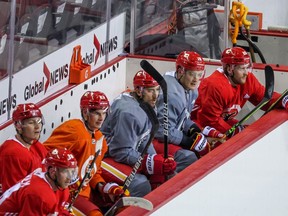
{"type": "Point", "coordinates": [200, 145]}
{"type": "Point", "coordinates": [285, 102]}
{"type": "Point", "coordinates": [111, 192]}
{"type": "Point", "coordinates": [193, 129]}
{"type": "Point", "coordinates": [157, 164]}
{"type": "Point", "coordinates": [66, 212]}
{"type": "Point", "coordinates": [214, 137]}
{"type": "Point", "coordinates": [213, 133]}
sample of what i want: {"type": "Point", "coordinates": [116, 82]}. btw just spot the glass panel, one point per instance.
{"type": "Point", "coordinates": [167, 27]}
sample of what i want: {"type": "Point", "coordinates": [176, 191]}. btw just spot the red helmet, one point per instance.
{"type": "Point", "coordinates": [143, 79]}
{"type": "Point", "coordinates": [24, 111]}
{"type": "Point", "coordinates": [60, 158]}
{"type": "Point", "coordinates": [190, 61]}
{"type": "Point", "coordinates": [94, 100]}
{"type": "Point", "coordinates": [235, 56]}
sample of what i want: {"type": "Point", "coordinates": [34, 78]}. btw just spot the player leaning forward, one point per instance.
{"type": "Point", "coordinates": [43, 193]}
{"type": "Point", "coordinates": [184, 134]}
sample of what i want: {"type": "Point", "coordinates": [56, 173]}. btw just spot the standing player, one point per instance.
{"type": "Point", "coordinates": [43, 193]}
{"type": "Point", "coordinates": [22, 154]}
{"type": "Point", "coordinates": [225, 92]}
{"type": "Point", "coordinates": [127, 129]}
{"type": "Point", "coordinates": [182, 92]}
{"type": "Point", "coordinates": [83, 138]}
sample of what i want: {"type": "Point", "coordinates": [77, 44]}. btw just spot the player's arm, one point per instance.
{"type": "Point", "coordinates": [15, 168]}
{"type": "Point", "coordinates": [64, 136]}
{"type": "Point", "coordinates": [177, 115]}
{"type": "Point", "coordinates": [35, 205]}
{"type": "Point", "coordinates": [212, 107]}
{"type": "Point", "coordinates": [257, 93]}
{"type": "Point", "coordinates": [123, 143]}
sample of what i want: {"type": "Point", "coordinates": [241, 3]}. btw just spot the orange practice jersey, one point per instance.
{"type": "Point", "coordinates": [74, 136]}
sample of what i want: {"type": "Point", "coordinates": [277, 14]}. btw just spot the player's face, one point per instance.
{"type": "Point", "coordinates": [65, 176]}
{"type": "Point", "coordinates": [96, 118]}
{"type": "Point", "coordinates": [150, 95]}
{"type": "Point", "coordinates": [240, 74]}
{"type": "Point", "coordinates": [191, 79]}
{"type": "Point", "coordinates": [31, 128]}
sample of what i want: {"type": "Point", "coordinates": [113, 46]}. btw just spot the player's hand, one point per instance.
{"type": "Point", "coordinates": [111, 192]}
{"type": "Point", "coordinates": [285, 102]}
{"type": "Point", "coordinates": [213, 133]}
{"type": "Point", "coordinates": [200, 145]}
{"type": "Point", "coordinates": [157, 164]}
{"type": "Point", "coordinates": [193, 129]}
{"type": "Point", "coordinates": [66, 212]}
{"type": "Point", "coordinates": [214, 137]}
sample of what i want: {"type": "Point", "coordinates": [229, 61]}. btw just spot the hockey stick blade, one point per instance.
{"type": "Point", "coordinates": [276, 102]}
{"type": "Point", "coordinates": [269, 89]}
{"type": "Point", "coordinates": [161, 81]}
{"type": "Point", "coordinates": [129, 201]}
{"type": "Point", "coordinates": [155, 124]}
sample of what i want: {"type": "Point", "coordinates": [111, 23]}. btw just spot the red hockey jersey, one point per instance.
{"type": "Point", "coordinates": [17, 161]}
{"type": "Point", "coordinates": [33, 196]}
{"type": "Point", "coordinates": [219, 102]}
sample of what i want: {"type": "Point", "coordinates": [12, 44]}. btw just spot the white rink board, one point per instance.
{"type": "Point", "coordinates": [259, 187]}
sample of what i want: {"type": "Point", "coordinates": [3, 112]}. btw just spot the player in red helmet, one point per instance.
{"type": "Point", "coordinates": [187, 143]}
{"type": "Point", "coordinates": [83, 138]}
{"type": "Point", "coordinates": [22, 153]}
{"type": "Point", "coordinates": [43, 192]}
{"type": "Point", "coordinates": [142, 82]}
{"type": "Point", "coordinates": [127, 128]}
{"type": "Point", "coordinates": [223, 94]}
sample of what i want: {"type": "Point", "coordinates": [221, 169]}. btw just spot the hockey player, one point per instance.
{"type": "Point", "coordinates": [184, 134]}
{"type": "Point", "coordinates": [83, 138]}
{"type": "Point", "coordinates": [22, 154]}
{"type": "Point", "coordinates": [224, 93]}
{"type": "Point", "coordinates": [43, 193]}
{"type": "Point", "coordinates": [127, 129]}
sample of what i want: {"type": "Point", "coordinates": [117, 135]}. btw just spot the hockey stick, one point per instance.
{"type": "Point", "coordinates": [274, 104]}
{"type": "Point", "coordinates": [269, 88]}
{"type": "Point", "coordinates": [155, 124]}
{"type": "Point", "coordinates": [253, 45]}
{"type": "Point", "coordinates": [129, 201]}
{"type": "Point", "coordinates": [161, 81]}
{"type": "Point", "coordinates": [87, 174]}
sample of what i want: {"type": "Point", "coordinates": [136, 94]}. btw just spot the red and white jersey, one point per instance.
{"type": "Point", "coordinates": [33, 196]}
{"type": "Point", "coordinates": [17, 161]}
{"type": "Point", "coordinates": [219, 102]}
